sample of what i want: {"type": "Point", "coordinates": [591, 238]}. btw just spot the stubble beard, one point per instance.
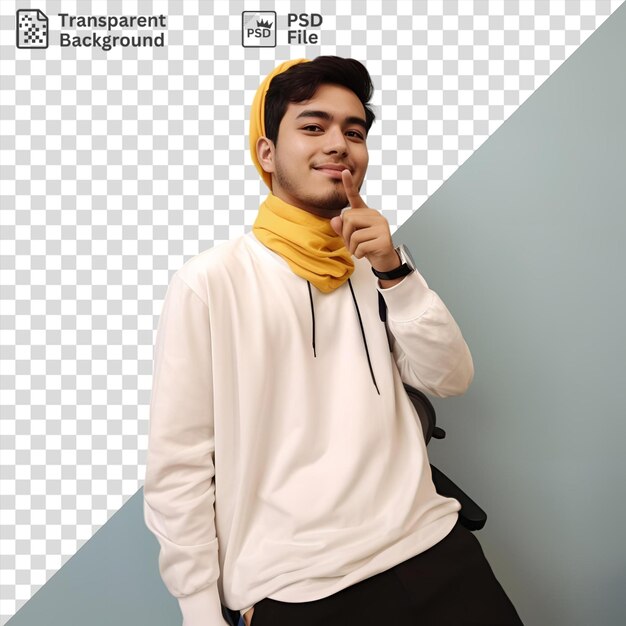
{"type": "Point", "coordinates": [331, 201]}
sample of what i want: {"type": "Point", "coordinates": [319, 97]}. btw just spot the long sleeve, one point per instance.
{"type": "Point", "coordinates": [426, 342]}
{"type": "Point", "coordinates": [179, 489]}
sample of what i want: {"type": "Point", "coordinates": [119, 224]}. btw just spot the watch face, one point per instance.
{"type": "Point", "coordinates": [406, 257]}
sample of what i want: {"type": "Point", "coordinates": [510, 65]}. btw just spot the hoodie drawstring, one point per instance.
{"type": "Point", "coordinates": [312, 316]}
{"type": "Point", "coordinates": [369, 362]}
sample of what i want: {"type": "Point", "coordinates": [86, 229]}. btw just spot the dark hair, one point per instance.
{"type": "Point", "coordinates": [301, 81]}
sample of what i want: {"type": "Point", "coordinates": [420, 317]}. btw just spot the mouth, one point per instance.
{"type": "Point", "coordinates": [331, 171]}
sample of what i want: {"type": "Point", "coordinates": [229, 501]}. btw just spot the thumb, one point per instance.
{"type": "Point", "coordinates": [337, 224]}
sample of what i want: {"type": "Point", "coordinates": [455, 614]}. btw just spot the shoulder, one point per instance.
{"type": "Point", "coordinates": [213, 258]}
{"type": "Point", "coordinates": [206, 267]}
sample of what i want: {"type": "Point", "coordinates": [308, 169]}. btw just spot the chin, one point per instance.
{"type": "Point", "coordinates": [333, 200]}
{"type": "Point", "coordinates": [330, 205]}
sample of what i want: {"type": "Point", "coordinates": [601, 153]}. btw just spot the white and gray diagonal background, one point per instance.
{"type": "Point", "coordinates": [118, 166]}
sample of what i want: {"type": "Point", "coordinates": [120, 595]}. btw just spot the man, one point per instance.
{"type": "Point", "coordinates": [287, 475]}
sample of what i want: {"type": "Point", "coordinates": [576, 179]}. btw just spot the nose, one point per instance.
{"type": "Point", "coordinates": [336, 141]}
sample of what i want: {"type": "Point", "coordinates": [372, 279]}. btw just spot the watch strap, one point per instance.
{"type": "Point", "coordinates": [398, 272]}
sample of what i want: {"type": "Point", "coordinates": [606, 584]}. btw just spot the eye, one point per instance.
{"type": "Point", "coordinates": [311, 126]}
{"type": "Point", "coordinates": [356, 133]}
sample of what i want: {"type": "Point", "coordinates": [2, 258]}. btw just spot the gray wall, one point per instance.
{"type": "Point", "coordinates": [113, 580]}
{"type": "Point", "coordinates": [526, 244]}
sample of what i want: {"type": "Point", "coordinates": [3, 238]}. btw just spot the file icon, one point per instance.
{"type": "Point", "coordinates": [31, 29]}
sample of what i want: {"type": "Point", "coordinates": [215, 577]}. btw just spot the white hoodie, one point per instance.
{"type": "Point", "coordinates": [280, 470]}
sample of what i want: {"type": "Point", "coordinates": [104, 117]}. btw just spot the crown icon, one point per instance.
{"type": "Point", "coordinates": [262, 24]}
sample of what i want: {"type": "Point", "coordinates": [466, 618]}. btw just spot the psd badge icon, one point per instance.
{"type": "Point", "coordinates": [31, 28]}
{"type": "Point", "coordinates": [258, 29]}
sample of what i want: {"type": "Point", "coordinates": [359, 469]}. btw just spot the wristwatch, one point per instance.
{"type": "Point", "coordinates": [407, 265]}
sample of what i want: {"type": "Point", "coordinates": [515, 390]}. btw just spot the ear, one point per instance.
{"type": "Point", "coordinates": [265, 153]}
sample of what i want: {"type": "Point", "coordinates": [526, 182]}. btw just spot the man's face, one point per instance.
{"type": "Point", "coordinates": [324, 130]}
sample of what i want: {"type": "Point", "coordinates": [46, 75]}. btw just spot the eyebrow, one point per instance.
{"type": "Point", "coordinates": [328, 117]}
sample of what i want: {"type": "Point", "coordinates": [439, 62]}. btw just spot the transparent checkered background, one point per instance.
{"type": "Point", "coordinates": [116, 167]}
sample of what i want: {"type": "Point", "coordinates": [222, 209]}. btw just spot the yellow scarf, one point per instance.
{"type": "Point", "coordinates": [307, 242]}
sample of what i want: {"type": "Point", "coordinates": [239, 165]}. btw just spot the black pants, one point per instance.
{"type": "Point", "coordinates": [451, 584]}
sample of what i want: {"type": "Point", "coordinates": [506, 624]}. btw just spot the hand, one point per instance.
{"type": "Point", "coordinates": [366, 232]}
{"type": "Point", "coordinates": [247, 617]}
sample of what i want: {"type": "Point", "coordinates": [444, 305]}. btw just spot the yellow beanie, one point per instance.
{"type": "Point", "coordinates": [257, 115]}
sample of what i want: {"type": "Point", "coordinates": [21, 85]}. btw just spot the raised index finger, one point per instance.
{"type": "Point", "coordinates": [354, 198]}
